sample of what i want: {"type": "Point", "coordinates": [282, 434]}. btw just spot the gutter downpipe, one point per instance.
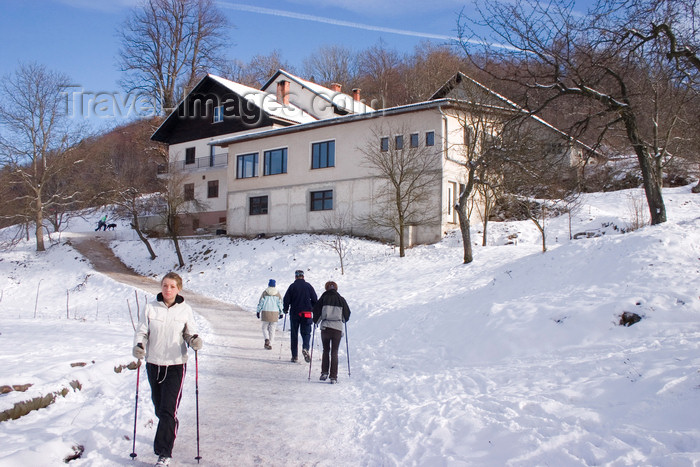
{"type": "Point", "coordinates": [444, 155]}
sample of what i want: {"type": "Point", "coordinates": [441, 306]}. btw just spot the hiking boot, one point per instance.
{"type": "Point", "coordinates": [324, 376]}
{"type": "Point", "coordinates": [162, 461]}
{"type": "Point", "coordinates": [305, 353]}
{"type": "Point", "coordinates": [267, 344]}
{"type": "Point", "coordinates": [295, 359]}
{"type": "Point", "coordinates": [334, 380]}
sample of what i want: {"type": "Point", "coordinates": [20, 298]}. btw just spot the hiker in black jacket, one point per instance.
{"type": "Point", "coordinates": [300, 298]}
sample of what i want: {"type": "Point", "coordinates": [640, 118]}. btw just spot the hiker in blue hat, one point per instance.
{"type": "Point", "coordinates": [269, 311]}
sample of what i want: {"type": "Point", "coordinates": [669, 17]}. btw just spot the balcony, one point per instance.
{"type": "Point", "coordinates": [215, 161]}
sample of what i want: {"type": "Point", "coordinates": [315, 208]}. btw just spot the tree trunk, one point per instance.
{"type": "Point", "coordinates": [652, 175]}
{"type": "Point", "coordinates": [696, 188]}
{"type": "Point", "coordinates": [142, 237]}
{"type": "Point", "coordinates": [483, 236]}
{"type": "Point", "coordinates": [38, 219]}
{"type": "Point", "coordinates": [180, 260]}
{"type": "Point", "coordinates": [464, 228]}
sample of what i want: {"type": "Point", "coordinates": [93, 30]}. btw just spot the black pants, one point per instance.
{"type": "Point", "coordinates": [331, 341]}
{"type": "Point", "coordinates": [297, 324]}
{"type": "Point", "coordinates": [166, 392]}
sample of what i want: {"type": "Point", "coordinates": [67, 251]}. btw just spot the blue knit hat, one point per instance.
{"type": "Point", "coordinates": [271, 283]}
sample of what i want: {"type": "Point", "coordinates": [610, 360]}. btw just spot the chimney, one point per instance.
{"type": "Point", "coordinates": [335, 87]}
{"type": "Point", "coordinates": [283, 92]}
{"type": "Point", "coordinates": [356, 94]}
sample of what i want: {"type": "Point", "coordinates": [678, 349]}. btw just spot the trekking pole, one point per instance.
{"type": "Point", "coordinates": [284, 325]}
{"type": "Point", "coordinates": [347, 347]}
{"type": "Point", "coordinates": [196, 395]}
{"type": "Point", "coordinates": [311, 358]}
{"type": "Point", "coordinates": [136, 407]}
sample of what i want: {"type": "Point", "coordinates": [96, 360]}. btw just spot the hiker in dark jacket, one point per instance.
{"type": "Point", "coordinates": [300, 298]}
{"type": "Point", "coordinates": [331, 312]}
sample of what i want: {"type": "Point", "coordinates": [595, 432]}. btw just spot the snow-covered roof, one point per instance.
{"type": "Point", "coordinates": [267, 101]}
{"type": "Point", "coordinates": [341, 100]}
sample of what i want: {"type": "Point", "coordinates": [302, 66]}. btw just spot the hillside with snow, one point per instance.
{"type": "Point", "coordinates": [515, 359]}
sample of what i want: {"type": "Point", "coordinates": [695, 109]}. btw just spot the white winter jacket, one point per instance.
{"type": "Point", "coordinates": [166, 332]}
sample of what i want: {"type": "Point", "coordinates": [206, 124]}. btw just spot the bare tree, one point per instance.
{"type": "Point", "coordinates": [331, 64]}
{"type": "Point", "coordinates": [175, 206]}
{"type": "Point", "coordinates": [410, 181]}
{"type": "Point", "coordinates": [130, 202]}
{"type": "Point", "coordinates": [488, 195]}
{"type": "Point", "coordinates": [590, 60]}
{"type": "Point", "coordinates": [480, 128]}
{"type": "Point", "coordinates": [261, 67]}
{"type": "Point", "coordinates": [336, 225]}
{"type": "Point", "coordinates": [165, 45]}
{"type": "Point", "coordinates": [428, 69]}
{"type": "Point", "coordinates": [536, 174]}
{"type": "Point", "coordinates": [34, 147]}
{"type": "Point", "coordinates": [381, 75]}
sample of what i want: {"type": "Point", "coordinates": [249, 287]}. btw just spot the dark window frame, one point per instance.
{"type": "Point", "coordinates": [430, 138]}
{"type": "Point", "coordinates": [213, 189]}
{"type": "Point", "coordinates": [190, 155]}
{"type": "Point", "coordinates": [241, 165]}
{"type": "Point", "coordinates": [384, 144]}
{"type": "Point", "coordinates": [188, 191]}
{"type": "Point", "coordinates": [323, 154]}
{"type": "Point", "coordinates": [257, 205]}
{"type": "Point", "coordinates": [398, 142]}
{"type": "Point", "coordinates": [321, 200]}
{"type": "Point", "coordinates": [414, 140]}
{"type": "Point", "coordinates": [269, 164]}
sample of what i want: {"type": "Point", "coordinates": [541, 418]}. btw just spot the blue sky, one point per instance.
{"type": "Point", "coordinates": [78, 37]}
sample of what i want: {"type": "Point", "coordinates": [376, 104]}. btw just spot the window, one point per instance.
{"type": "Point", "coordinates": [247, 165]}
{"type": "Point", "coordinates": [414, 140]}
{"type": "Point", "coordinates": [430, 138]}
{"type": "Point", "coordinates": [189, 156]}
{"type": "Point", "coordinates": [275, 162]}
{"type": "Point", "coordinates": [213, 189]}
{"type": "Point", "coordinates": [384, 144]}
{"type": "Point", "coordinates": [257, 205]}
{"type": "Point", "coordinates": [219, 114]}
{"type": "Point", "coordinates": [189, 191]}
{"type": "Point", "coordinates": [322, 200]}
{"type": "Point", "coordinates": [323, 155]}
{"type": "Point", "coordinates": [398, 142]}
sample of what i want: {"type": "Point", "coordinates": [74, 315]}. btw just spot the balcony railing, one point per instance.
{"type": "Point", "coordinates": [214, 161]}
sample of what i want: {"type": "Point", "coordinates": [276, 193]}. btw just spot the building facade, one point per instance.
{"type": "Point", "coordinates": [292, 157]}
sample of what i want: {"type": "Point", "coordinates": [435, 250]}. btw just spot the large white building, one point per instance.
{"type": "Point", "coordinates": [290, 157]}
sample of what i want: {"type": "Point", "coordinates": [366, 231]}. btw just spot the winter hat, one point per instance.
{"type": "Point", "coordinates": [272, 283]}
{"type": "Point", "coordinates": [298, 273]}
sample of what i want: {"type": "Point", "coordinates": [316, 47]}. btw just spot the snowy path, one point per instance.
{"type": "Point", "coordinates": [256, 407]}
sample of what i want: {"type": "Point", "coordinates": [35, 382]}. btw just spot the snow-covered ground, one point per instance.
{"type": "Point", "coordinates": [516, 359]}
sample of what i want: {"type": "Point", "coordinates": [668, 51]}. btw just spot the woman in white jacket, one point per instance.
{"type": "Point", "coordinates": [269, 311]}
{"type": "Point", "coordinates": [165, 330]}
